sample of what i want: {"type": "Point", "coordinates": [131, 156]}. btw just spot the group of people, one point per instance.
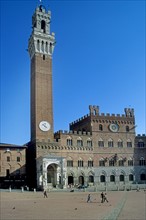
{"type": "Point", "coordinates": [102, 195]}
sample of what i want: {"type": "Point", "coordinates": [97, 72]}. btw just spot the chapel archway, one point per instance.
{"type": "Point", "coordinates": [52, 174]}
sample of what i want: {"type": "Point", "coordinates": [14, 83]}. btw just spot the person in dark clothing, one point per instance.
{"type": "Point", "coordinates": [45, 194]}
{"type": "Point", "coordinates": [89, 198]}
{"type": "Point", "coordinates": [102, 197]}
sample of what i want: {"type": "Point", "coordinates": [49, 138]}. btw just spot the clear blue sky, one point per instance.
{"type": "Point", "coordinates": [99, 59]}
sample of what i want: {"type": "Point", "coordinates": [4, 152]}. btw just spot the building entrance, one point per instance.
{"type": "Point", "coordinates": [81, 180]}
{"type": "Point", "coordinates": [70, 180]}
{"type": "Point", "coordinates": [52, 175]}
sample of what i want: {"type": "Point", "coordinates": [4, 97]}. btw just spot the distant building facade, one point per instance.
{"type": "Point", "coordinates": [12, 166]}
{"type": "Point", "coordinates": [98, 150]}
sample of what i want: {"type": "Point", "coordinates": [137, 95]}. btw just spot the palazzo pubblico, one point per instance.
{"type": "Point", "coordinates": [100, 150]}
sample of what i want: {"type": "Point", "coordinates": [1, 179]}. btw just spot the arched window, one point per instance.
{"type": "Point", "coordinates": [89, 143]}
{"type": "Point", "coordinates": [140, 143]}
{"type": "Point", "coordinates": [127, 128]}
{"type": "Point", "coordinates": [80, 163]}
{"type": "Point", "coordinates": [91, 179]}
{"type": "Point", "coordinates": [51, 48]}
{"type": "Point", "coordinates": [102, 178]}
{"type": "Point", "coordinates": [122, 178]}
{"type": "Point", "coordinates": [131, 177]}
{"type": "Point", "coordinates": [112, 178]}
{"type": "Point", "coordinates": [130, 162]}
{"type": "Point", "coordinates": [142, 176]}
{"type": "Point", "coordinates": [79, 142]}
{"type": "Point", "coordinates": [46, 49]}
{"type": "Point", "coordinates": [38, 45]}
{"type": "Point", "coordinates": [102, 162]}
{"type": "Point", "coordinates": [142, 162]}
{"type": "Point", "coordinates": [129, 143]}
{"type": "Point", "coordinates": [69, 162]}
{"type": "Point", "coordinates": [121, 162]}
{"type": "Point", "coordinates": [90, 162]}
{"type": "Point", "coordinates": [111, 163]}
{"type": "Point", "coordinates": [110, 143]}
{"type": "Point", "coordinates": [100, 127]}
{"type": "Point", "coordinates": [69, 141]}
{"type": "Point", "coordinates": [120, 143]}
{"type": "Point", "coordinates": [43, 26]}
{"type": "Point", "coordinates": [100, 143]}
{"type": "Point", "coordinates": [42, 46]}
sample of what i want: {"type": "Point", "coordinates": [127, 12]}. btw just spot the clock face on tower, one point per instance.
{"type": "Point", "coordinates": [44, 126]}
{"type": "Point", "coordinates": [113, 127]}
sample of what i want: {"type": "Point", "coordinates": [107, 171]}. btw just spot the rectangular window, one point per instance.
{"type": "Point", "coordinates": [18, 159]}
{"type": "Point", "coordinates": [110, 144]}
{"type": "Point", "coordinates": [100, 143]}
{"type": "Point", "coordinates": [120, 144]}
{"type": "Point", "coordinates": [140, 144]}
{"type": "Point", "coordinates": [79, 143]}
{"type": "Point", "coordinates": [90, 163]}
{"type": "Point", "coordinates": [80, 163]}
{"type": "Point", "coordinates": [8, 159]}
{"type": "Point", "coordinates": [130, 162]}
{"type": "Point", "coordinates": [129, 144]}
{"type": "Point", "coordinates": [101, 163]}
{"type": "Point", "coordinates": [69, 163]}
{"type": "Point", "coordinates": [111, 163]}
{"type": "Point", "coordinates": [89, 143]}
{"type": "Point", "coordinates": [7, 172]}
{"type": "Point", "coordinates": [121, 163]}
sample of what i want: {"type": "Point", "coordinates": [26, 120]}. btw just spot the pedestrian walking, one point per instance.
{"type": "Point", "coordinates": [45, 194]}
{"type": "Point", "coordinates": [102, 197]}
{"type": "Point", "coordinates": [105, 198]}
{"type": "Point", "coordinates": [89, 198]}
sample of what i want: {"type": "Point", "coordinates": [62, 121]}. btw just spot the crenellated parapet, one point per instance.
{"type": "Point", "coordinates": [72, 132]}
{"type": "Point", "coordinates": [80, 119]}
{"type": "Point", "coordinates": [95, 114]}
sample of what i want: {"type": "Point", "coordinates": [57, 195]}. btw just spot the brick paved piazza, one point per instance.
{"type": "Point", "coordinates": [128, 205]}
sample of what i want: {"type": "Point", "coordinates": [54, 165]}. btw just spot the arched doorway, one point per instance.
{"type": "Point", "coordinates": [70, 180]}
{"type": "Point", "coordinates": [142, 176]}
{"type": "Point", "coordinates": [52, 174]}
{"type": "Point", "coordinates": [112, 178]}
{"type": "Point", "coordinates": [81, 180]}
{"type": "Point", "coordinates": [102, 178]}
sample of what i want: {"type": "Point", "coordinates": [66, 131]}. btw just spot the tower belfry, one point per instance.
{"type": "Point", "coordinates": [40, 47]}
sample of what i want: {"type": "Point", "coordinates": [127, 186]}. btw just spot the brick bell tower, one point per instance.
{"type": "Point", "coordinates": [40, 47]}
